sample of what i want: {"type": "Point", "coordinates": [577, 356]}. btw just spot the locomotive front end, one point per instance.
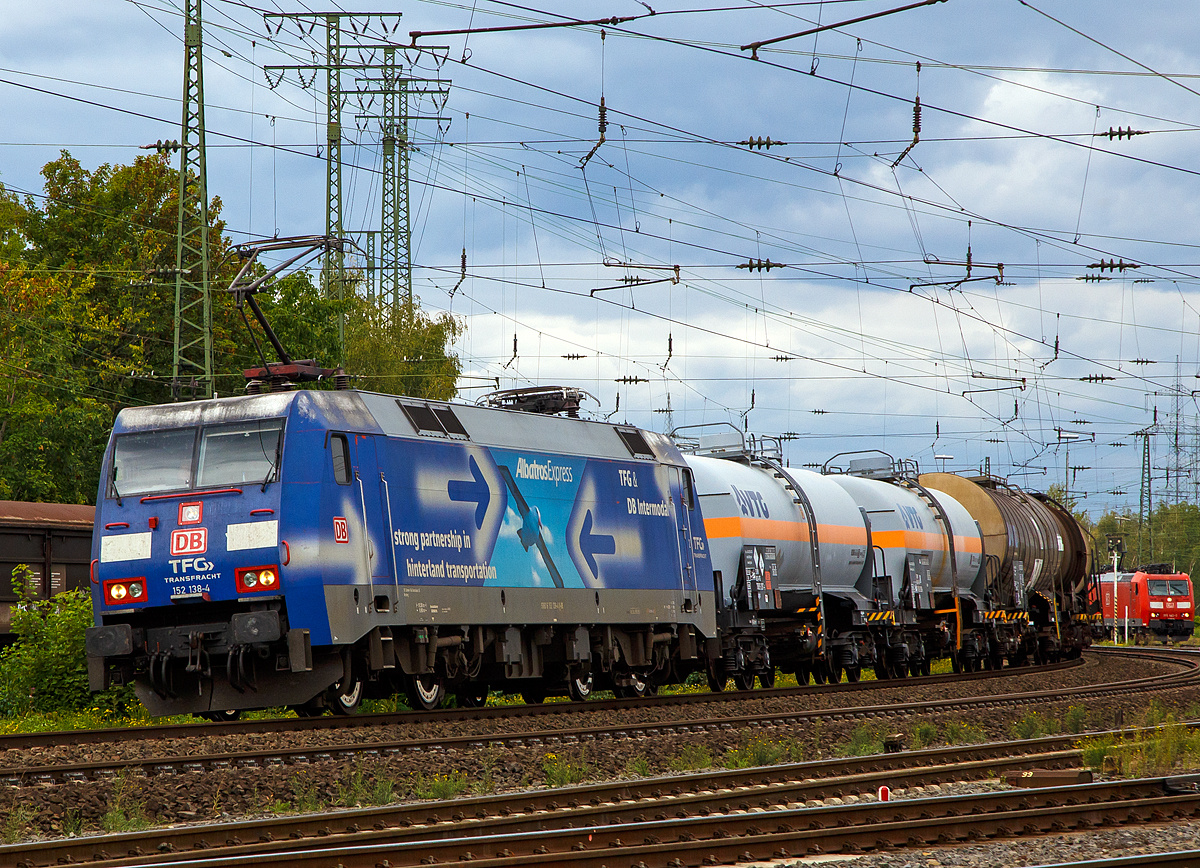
{"type": "Point", "coordinates": [189, 576]}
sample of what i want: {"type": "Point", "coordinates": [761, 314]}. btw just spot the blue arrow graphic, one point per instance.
{"type": "Point", "coordinates": [594, 544]}
{"type": "Point", "coordinates": [472, 491]}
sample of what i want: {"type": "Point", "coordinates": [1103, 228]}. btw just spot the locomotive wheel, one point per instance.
{"type": "Point", "coordinates": [473, 695]}
{"type": "Point", "coordinates": [767, 678]}
{"type": "Point", "coordinates": [346, 696]}
{"type": "Point", "coordinates": [425, 692]}
{"type": "Point", "coordinates": [580, 688]}
{"type": "Point", "coordinates": [853, 673]}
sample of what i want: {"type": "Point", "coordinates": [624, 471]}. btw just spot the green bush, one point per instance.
{"type": "Point", "coordinates": [1076, 718]}
{"type": "Point", "coordinates": [863, 741]}
{"type": "Point", "coordinates": [692, 758]}
{"type": "Point", "coordinates": [45, 670]}
{"type": "Point", "coordinates": [924, 734]}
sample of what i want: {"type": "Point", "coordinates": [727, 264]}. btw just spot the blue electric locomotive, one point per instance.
{"type": "Point", "coordinates": [307, 548]}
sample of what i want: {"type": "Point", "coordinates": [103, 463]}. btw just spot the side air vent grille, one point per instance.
{"type": "Point", "coordinates": [635, 442]}
{"type": "Point", "coordinates": [438, 421]}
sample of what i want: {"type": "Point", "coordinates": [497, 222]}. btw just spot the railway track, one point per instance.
{"type": "Point", "coordinates": [711, 827]}
{"type": "Point", "coordinates": [609, 803]}
{"type": "Point", "coordinates": [102, 767]}
{"type": "Point", "coordinates": [18, 741]}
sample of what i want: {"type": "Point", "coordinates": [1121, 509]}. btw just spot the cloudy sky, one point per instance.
{"type": "Point", "coordinates": [866, 336]}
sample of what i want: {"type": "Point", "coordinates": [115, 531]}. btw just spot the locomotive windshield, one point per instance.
{"type": "Point", "coordinates": [153, 461]}
{"type": "Point", "coordinates": [233, 454]}
{"type": "Point", "coordinates": [1167, 588]}
{"type": "Point", "coordinates": [156, 461]}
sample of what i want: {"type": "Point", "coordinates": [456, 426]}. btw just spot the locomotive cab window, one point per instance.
{"type": "Point", "coordinates": [688, 497]}
{"type": "Point", "coordinates": [339, 449]}
{"type": "Point", "coordinates": [1167, 587]}
{"type": "Point", "coordinates": [153, 461]}
{"type": "Point", "coordinates": [246, 452]}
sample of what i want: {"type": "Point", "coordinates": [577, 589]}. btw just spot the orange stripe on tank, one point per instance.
{"type": "Point", "coordinates": [919, 539]}
{"type": "Point", "coordinates": [769, 528]}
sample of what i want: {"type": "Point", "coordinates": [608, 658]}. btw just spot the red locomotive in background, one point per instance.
{"type": "Point", "coordinates": [1154, 602]}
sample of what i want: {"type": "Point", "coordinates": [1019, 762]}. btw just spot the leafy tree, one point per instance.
{"type": "Point", "coordinates": [1171, 536]}
{"type": "Point", "coordinates": [87, 321]}
{"type": "Point", "coordinates": [53, 419]}
{"type": "Point", "coordinates": [12, 242]}
{"type": "Point", "coordinates": [405, 354]}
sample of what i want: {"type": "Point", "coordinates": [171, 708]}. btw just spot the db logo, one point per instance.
{"type": "Point", "coordinates": [192, 541]}
{"type": "Point", "coordinates": [341, 531]}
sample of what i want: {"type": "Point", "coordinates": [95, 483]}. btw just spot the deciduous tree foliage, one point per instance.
{"type": "Point", "coordinates": [87, 321]}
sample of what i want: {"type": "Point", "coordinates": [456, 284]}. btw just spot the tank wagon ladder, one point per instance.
{"type": "Point", "coordinates": [800, 498]}
{"type": "Point", "coordinates": [924, 493]}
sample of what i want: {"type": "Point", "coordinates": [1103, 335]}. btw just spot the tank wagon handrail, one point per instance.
{"type": "Point", "coordinates": [810, 515]}
{"type": "Point", "coordinates": [826, 469]}
{"type": "Point", "coordinates": [942, 517]}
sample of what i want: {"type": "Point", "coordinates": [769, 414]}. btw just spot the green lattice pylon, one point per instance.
{"type": "Point", "coordinates": [192, 365]}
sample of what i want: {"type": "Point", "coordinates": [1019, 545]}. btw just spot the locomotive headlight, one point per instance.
{"type": "Point", "coordinates": [118, 592]}
{"type": "Point", "coordinates": [254, 579]}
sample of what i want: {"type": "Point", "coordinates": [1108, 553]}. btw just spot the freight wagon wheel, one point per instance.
{"type": "Point", "coordinates": [716, 679]}
{"type": "Point", "coordinates": [220, 716]}
{"type": "Point", "coordinates": [767, 678]}
{"type": "Point", "coordinates": [472, 695]}
{"type": "Point", "coordinates": [743, 680]}
{"type": "Point", "coordinates": [926, 666]}
{"type": "Point", "coordinates": [819, 673]}
{"type": "Point", "coordinates": [347, 695]}
{"type": "Point", "coordinates": [835, 674]}
{"type": "Point", "coordinates": [533, 696]}
{"type": "Point", "coordinates": [914, 668]}
{"type": "Point", "coordinates": [639, 686]}
{"type": "Point", "coordinates": [425, 692]}
{"type": "Point", "coordinates": [882, 671]}
{"type": "Point", "coordinates": [803, 674]}
{"type": "Point", "coordinates": [580, 688]}
{"type": "Point", "coordinates": [853, 673]}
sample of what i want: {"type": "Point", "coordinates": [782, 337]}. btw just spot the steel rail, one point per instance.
{"type": "Point", "coordinates": [14, 741]}
{"type": "Point", "coordinates": [748, 835]}
{"type": "Point", "coordinates": [613, 803]}
{"type": "Point", "coordinates": [279, 756]}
